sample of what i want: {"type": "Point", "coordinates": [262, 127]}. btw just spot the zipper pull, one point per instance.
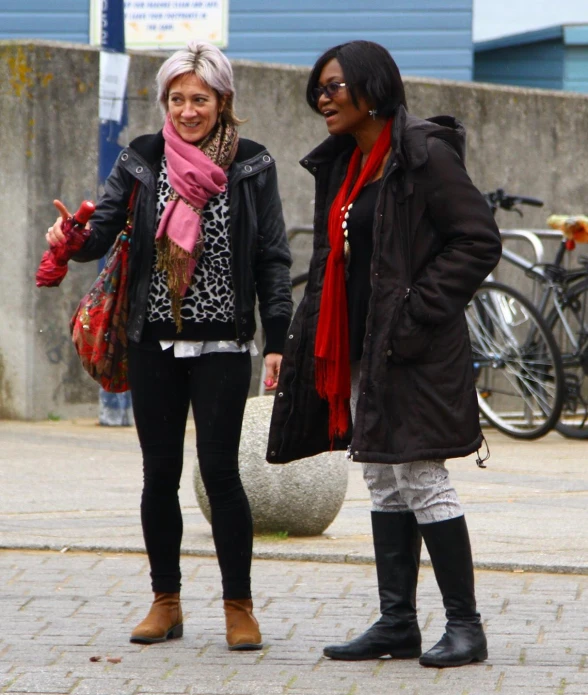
{"type": "Point", "coordinates": [407, 293]}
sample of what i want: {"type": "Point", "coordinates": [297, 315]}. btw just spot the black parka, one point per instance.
{"type": "Point", "coordinates": [260, 254]}
{"type": "Point", "coordinates": [434, 242]}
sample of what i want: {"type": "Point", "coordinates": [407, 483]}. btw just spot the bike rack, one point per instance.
{"type": "Point", "coordinates": [526, 235]}
{"type": "Point", "coordinates": [533, 238]}
{"type": "Point", "coordinates": [293, 232]}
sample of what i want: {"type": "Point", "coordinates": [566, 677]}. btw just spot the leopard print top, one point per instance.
{"type": "Point", "coordinates": [211, 296]}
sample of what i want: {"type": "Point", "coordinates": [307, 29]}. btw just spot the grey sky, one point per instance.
{"type": "Point", "coordinates": [494, 18]}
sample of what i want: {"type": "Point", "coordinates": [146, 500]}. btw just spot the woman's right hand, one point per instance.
{"type": "Point", "coordinates": [55, 235]}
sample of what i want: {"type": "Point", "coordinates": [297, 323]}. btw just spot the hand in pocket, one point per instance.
{"type": "Point", "coordinates": [410, 339]}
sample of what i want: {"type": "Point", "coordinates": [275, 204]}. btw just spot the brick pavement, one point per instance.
{"type": "Point", "coordinates": [75, 485]}
{"type": "Point", "coordinates": [60, 609]}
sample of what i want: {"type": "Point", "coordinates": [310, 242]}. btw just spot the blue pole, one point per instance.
{"type": "Point", "coordinates": [115, 408]}
{"type": "Point", "coordinates": [113, 39]}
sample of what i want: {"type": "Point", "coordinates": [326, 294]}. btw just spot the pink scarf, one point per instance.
{"type": "Point", "coordinates": [194, 179]}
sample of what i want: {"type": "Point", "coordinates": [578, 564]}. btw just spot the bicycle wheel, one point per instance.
{"type": "Point", "coordinates": [517, 365]}
{"type": "Point", "coordinates": [570, 329]}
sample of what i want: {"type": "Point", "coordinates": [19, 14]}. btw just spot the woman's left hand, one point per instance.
{"type": "Point", "coordinates": [272, 363]}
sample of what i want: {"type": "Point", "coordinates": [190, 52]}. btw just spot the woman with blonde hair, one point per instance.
{"type": "Point", "coordinates": [208, 241]}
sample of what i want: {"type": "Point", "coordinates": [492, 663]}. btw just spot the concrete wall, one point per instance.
{"type": "Point", "coordinates": [528, 141]}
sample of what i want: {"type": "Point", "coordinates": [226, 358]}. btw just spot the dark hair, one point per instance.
{"type": "Point", "coordinates": [369, 70]}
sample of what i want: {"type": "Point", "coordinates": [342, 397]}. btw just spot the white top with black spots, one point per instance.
{"type": "Point", "coordinates": [210, 297]}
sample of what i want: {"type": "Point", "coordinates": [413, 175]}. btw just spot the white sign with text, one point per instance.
{"type": "Point", "coordinates": [168, 24]}
{"type": "Point", "coordinates": [114, 71]}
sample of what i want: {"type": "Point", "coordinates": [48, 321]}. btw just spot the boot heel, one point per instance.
{"type": "Point", "coordinates": [242, 627]}
{"type": "Point", "coordinates": [164, 620]}
{"type": "Point", "coordinates": [406, 653]}
{"type": "Point", "coordinates": [175, 632]}
{"type": "Point", "coordinates": [482, 656]}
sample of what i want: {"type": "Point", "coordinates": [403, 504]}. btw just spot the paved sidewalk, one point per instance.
{"type": "Point", "coordinates": [73, 486]}
{"type": "Point", "coordinates": [61, 610]}
{"type": "Point", "coordinates": [77, 485]}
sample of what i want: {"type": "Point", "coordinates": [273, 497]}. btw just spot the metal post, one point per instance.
{"type": "Point", "coordinates": [115, 408]}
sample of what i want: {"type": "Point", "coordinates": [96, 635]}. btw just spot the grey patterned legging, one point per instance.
{"type": "Point", "coordinates": [422, 487]}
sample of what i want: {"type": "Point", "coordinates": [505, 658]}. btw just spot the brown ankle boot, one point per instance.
{"type": "Point", "coordinates": [242, 627]}
{"type": "Point", "coordinates": [163, 622]}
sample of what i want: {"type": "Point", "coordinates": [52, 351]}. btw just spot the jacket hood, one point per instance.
{"type": "Point", "coordinates": [409, 138]}
{"type": "Point", "coordinates": [410, 134]}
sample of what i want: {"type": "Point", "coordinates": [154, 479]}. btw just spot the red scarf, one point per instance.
{"type": "Point", "coordinates": [331, 350]}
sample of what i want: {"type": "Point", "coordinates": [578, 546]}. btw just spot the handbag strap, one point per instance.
{"type": "Point", "coordinates": [133, 195]}
{"type": "Point", "coordinates": [131, 208]}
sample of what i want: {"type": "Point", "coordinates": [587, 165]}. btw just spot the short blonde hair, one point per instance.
{"type": "Point", "coordinates": [208, 63]}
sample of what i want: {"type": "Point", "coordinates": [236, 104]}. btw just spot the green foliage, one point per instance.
{"type": "Point", "coordinates": [277, 536]}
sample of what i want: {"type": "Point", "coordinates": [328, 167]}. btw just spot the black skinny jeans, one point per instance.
{"type": "Point", "coordinates": [162, 388]}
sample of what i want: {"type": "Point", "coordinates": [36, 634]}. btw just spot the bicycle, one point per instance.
{"type": "Point", "coordinates": [518, 371]}
{"type": "Point", "coordinates": [563, 303]}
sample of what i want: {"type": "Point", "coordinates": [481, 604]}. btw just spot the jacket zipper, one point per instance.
{"type": "Point", "coordinates": [377, 233]}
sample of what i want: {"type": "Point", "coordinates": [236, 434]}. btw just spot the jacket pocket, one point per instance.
{"type": "Point", "coordinates": [410, 340]}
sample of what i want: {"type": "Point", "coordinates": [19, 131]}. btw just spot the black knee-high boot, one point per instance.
{"type": "Point", "coordinates": [397, 546]}
{"type": "Point", "coordinates": [464, 641]}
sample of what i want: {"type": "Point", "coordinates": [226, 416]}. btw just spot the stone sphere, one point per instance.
{"type": "Point", "coordinates": [301, 498]}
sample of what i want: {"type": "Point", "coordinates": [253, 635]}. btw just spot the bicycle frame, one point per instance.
{"type": "Point", "coordinates": [556, 290]}
{"type": "Point", "coordinates": [534, 270]}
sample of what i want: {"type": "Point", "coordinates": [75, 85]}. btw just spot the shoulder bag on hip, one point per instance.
{"type": "Point", "coordinates": [98, 327]}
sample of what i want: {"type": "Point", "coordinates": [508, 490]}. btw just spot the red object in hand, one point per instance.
{"type": "Point", "coordinates": [53, 266]}
{"type": "Point", "coordinates": [85, 211]}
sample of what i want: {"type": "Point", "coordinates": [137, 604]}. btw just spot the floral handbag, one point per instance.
{"type": "Point", "coordinates": [98, 327]}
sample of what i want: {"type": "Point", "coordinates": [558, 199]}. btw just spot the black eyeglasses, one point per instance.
{"type": "Point", "coordinates": [329, 90]}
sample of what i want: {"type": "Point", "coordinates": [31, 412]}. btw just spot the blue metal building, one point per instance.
{"type": "Point", "coordinates": [426, 37]}
{"type": "Point", "coordinates": [61, 20]}
{"type": "Point", "coordinates": [551, 58]}
{"type": "Point", "coordinates": [431, 38]}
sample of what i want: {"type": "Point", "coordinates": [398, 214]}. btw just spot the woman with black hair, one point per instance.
{"type": "Point", "coordinates": [402, 241]}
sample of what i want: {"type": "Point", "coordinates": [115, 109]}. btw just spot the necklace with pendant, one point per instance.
{"type": "Point", "coordinates": [346, 244]}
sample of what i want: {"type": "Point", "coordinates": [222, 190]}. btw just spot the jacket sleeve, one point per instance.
{"type": "Point", "coordinates": [272, 264]}
{"type": "Point", "coordinates": [110, 216]}
{"type": "Point", "coordinates": [470, 240]}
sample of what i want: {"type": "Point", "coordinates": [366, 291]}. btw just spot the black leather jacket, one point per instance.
{"type": "Point", "coordinates": [261, 257]}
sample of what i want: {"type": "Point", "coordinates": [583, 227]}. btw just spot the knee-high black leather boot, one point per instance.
{"type": "Point", "coordinates": [464, 641]}
{"type": "Point", "coordinates": [397, 545]}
